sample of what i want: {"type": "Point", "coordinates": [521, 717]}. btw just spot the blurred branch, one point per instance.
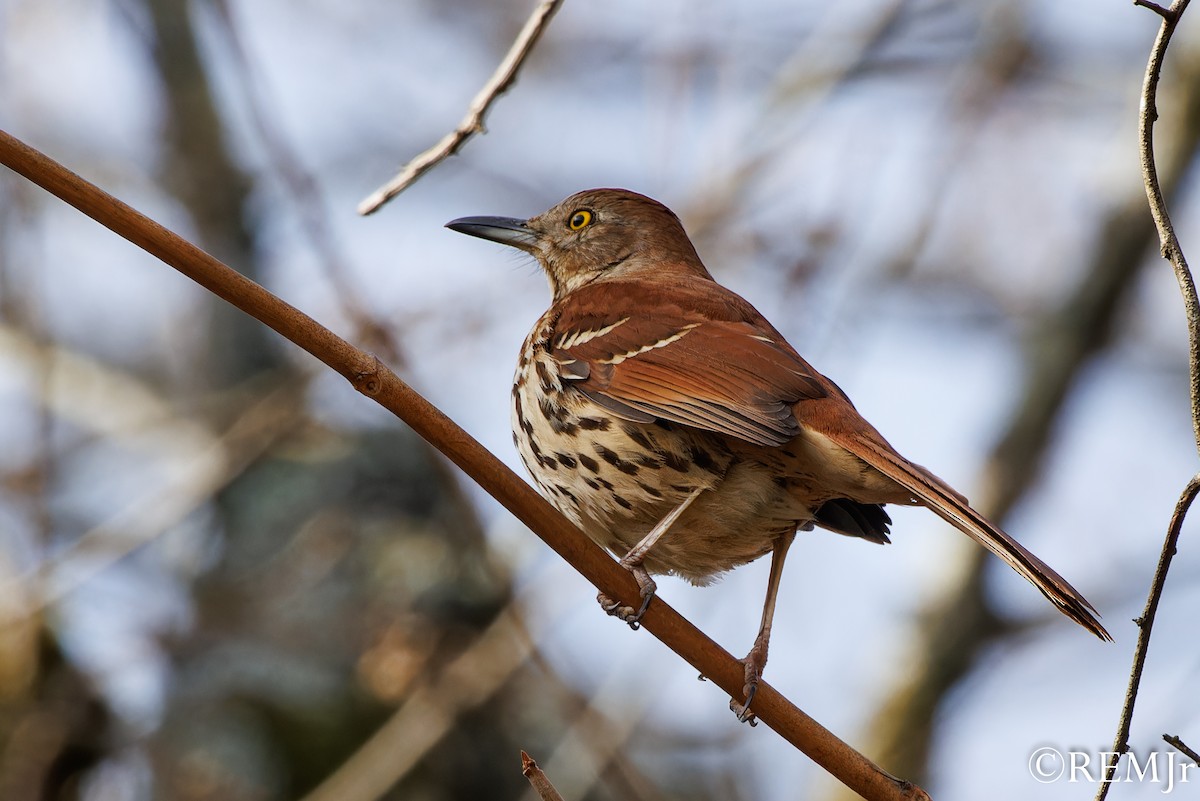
{"type": "Point", "coordinates": [212, 463]}
{"type": "Point", "coordinates": [593, 741]}
{"type": "Point", "coordinates": [372, 378]}
{"type": "Point", "coordinates": [1173, 252]}
{"type": "Point", "coordinates": [303, 191]}
{"type": "Point", "coordinates": [429, 713]}
{"type": "Point", "coordinates": [538, 779]}
{"type": "Point", "coordinates": [498, 84]}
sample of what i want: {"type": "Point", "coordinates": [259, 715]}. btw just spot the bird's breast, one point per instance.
{"type": "Point", "coordinates": [617, 478]}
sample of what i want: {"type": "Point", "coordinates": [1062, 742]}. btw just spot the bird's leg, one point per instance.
{"type": "Point", "coordinates": [632, 562]}
{"type": "Point", "coordinates": [756, 660]}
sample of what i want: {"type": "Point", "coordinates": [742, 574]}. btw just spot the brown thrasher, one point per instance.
{"type": "Point", "coordinates": [671, 422]}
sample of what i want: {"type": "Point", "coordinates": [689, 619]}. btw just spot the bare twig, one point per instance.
{"type": "Point", "coordinates": [1145, 625]}
{"type": "Point", "coordinates": [1173, 252]}
{"type": "Point", "coordinates": [1171, 249]}
{"type": "Point", "coordinates": [1182, 747]}
{"type": "Point", "coordinates": [372, 378]}
{"type": "Point", "coordinates": [538, 779]}
{"type": "Point", "coordinates": [471, 124]}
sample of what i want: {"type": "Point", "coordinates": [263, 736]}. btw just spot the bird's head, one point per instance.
{"type": "Point", "coordinates": [595, 234]}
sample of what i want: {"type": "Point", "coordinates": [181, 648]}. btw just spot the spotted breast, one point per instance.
{"type": "Point", "coordinates": [616, 478]}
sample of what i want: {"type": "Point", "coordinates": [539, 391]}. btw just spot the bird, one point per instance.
{"type": "Point", "coordinates": [670, 421]}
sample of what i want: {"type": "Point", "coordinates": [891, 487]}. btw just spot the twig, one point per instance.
{"type": "Point", "coordinates": [1171, 249]}
{"type": "Point", "coordinates": [1182, 747]}
{"type": "Point", "coordinates": [538, 779]}
{"type": "Point", "coordinates": [1145, 624]}
{"type": "Point", "coordinates": [1173, 252]}
{"type": "Point", "coordinates": [471, 124]}
{"type": "Point", "coordinates": [372, 378]}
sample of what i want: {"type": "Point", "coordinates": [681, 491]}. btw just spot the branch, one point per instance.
{"type": "Point", "coordinates": [1182, 747]}
{"type": "Point", "coordinates": [1173, 252]}
{"type": "Point", "coordinates": [498, 84]}
{"type": "Point", "coordinates": [372, 378]}
{"type": "Point", "coordinates": [1145, 624]}
{"type": "Point", "coordinates": [1171, 249]}
{"type": "Point", "coordinates": [539, 780]}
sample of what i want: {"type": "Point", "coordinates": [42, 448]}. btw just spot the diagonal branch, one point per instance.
{"type": "Point", "coordinates": [498, 84]}
{"type": "Point", "coordinates": [372, 378]}
{"type": "Point", "coordinates": [1145, 625]}
{"type": "Point", "coordinates": [1182, 747]}
{"type": "Point", "coordinates": [1173, 252]}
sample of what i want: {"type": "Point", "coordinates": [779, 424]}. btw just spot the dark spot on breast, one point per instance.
{"type": "Point", "coordinates": [567, 429]}
{"type": "Point", "coordinates": [616, 461]}
{"type": "Point", "coordinates": [591, 483]}
{"type": "Point", "coordinates": [565, 460]}
{"type": "Point", "coordinates": [594, 423]}
{"type": "Point", "coordinates": [638, 436]}
{"type": "Point", "coordinates": [684, 488]}
{"type": "Point", "coordinates": [646, 460]}
{"type": "Point", "coordinates": [544, 376]}
{"type": "Point", "coordinates": [621, 501]}
{"type": "Point", "coordinates": [547, 461]}
{"type": "Point", "coordinates": [525, 425]}
{"type": "Point", "coordinates": [567, 494]}
{"type": "Point", "coordinates": [551, 411]}
{"type": "Point", "coordinates": [516, 440]}
{"type": "Point", "coordinates": [604, 483]}
{"type": "Point", "coordinates": [589, 462]}
{"type": "Point", "coordinates": [703, 459]}
{"type": "Point", "coordinates": [649, 490]}
{"type": "Point", "coordinates": [674, 461]}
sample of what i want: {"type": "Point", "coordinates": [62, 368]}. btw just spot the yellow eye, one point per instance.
{"type": "Point", "coordinates": [580, 219]}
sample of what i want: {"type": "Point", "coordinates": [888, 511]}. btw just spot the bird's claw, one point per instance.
{"type": "Point", "coordinates": [633, 617]}
{"type": "Point", "coordinates": [753, 667]}
{"type": "Point", "coordinates": [742, 710]}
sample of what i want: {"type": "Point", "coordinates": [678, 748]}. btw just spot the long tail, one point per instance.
{"type": "Point", "coordinates": [954, 509]}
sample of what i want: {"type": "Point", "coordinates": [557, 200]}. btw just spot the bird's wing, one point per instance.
{"type": "Point", "coordinates": [729, 376]}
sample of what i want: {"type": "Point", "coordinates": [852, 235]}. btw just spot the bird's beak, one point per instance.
{"type": "Point", "coordinates": [505, 230]}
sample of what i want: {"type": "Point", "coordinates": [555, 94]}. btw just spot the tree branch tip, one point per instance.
{"type": "Point", "coordinates": [1165, 13]}
{"type": "Point", "coordinates": [1182, 747]}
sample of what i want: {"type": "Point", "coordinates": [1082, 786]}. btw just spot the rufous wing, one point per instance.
{"type": "Point", "coordinates": [728, 376]}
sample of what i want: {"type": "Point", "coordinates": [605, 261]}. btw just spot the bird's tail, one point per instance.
{"type": "Point", "coordinates": [952, 507]}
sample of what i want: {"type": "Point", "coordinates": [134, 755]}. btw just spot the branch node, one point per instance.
{"type": "Point", "coordinates": [367, 379]}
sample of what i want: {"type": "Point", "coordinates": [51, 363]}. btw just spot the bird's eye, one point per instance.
{"type": "Point", "coordinates": [580, 219]}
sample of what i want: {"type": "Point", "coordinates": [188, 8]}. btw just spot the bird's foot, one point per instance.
{"type": "Point", "coordinates": [754, 663]}
{"type": "Point", "coordinates": [646, 587]}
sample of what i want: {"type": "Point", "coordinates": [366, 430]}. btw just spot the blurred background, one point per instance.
{"type": "Point", "coordinates": [225, 575]}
